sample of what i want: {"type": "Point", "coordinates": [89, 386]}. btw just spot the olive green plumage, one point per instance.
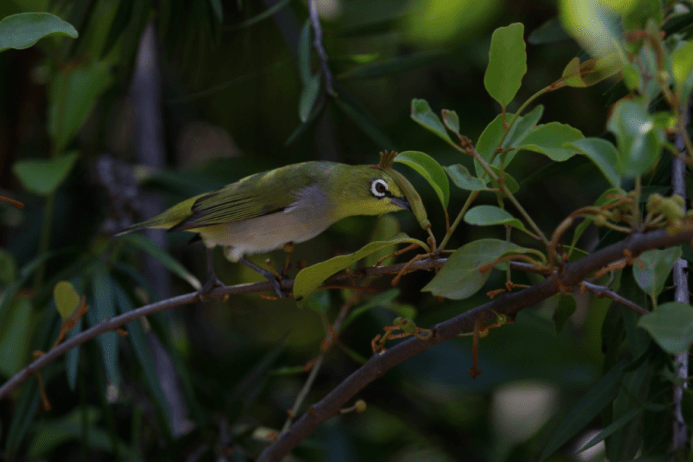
{"type": "Point", "coordinates": [264, 211]}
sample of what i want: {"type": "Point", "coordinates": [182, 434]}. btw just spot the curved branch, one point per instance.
{"type": "Point", "coordinates": [112, 324]}
{"type": "Point", "coordinates": [508, 304]}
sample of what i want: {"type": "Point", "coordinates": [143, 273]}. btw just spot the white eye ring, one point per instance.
{"type": "Point", "coordinates": [379, 188]}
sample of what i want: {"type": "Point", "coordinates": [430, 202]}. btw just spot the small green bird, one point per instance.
{"type": "Point", "coordinates": [291, 204]}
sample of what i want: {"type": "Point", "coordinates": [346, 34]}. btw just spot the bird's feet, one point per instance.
{"type": "Point", "coordinates": [210, 285]}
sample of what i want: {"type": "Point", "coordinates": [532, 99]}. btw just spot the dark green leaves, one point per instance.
{"type": "Point", "coordinates": [73, 94]}
{"type": "Point", "coordinates": [657, 265]}
{"type": "Point", "coordinates": [639, 138]}
{"type": "Point", "coordinates": [487, 215]}
{"type": "Point", "coordinates": [25, 29]}
{"type": "Point", "coordinates": [550, 139]}
{"type": "Point", "coordinates": [422, 114]}
{"type": "Point", "coordinates": [431, 170]}
{"type": "Point", "coordinates": [42, 177]}
{"type": "Point", "coordinates": [603, 154]}
{"type": "Point", "coordinates": [600, 396]}
{"type": "Point", "coordinates": [463, 179]}
{"type": "Point", "coordinates": [671, 326]}
{"type": "Point", "coordinates": [507, 63]}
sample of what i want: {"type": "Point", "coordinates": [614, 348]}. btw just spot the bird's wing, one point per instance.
{"type": "Point", "coordinates": [237, 202]}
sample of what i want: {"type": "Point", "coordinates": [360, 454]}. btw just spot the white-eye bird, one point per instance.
{"type": "Point", "coordinates": [291, 204]}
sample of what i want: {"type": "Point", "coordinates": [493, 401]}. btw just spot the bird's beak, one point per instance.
{"type": "Point", "coordinates": [401, 202]}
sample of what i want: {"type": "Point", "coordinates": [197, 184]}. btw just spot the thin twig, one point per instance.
{"type": "Point", "coordinates": [603, 291]}
{"type": "Point", "coordinates": [317, 31]}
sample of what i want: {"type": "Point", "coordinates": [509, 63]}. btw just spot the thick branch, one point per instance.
{"type": "Point", "coordinates": [508, 304]}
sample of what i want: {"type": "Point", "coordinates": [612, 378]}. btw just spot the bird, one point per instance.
{"type": "Point", "coordinates": [268, 210]}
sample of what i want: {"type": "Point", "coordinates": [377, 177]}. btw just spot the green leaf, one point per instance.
{"type": "Point", "coordinates": [671, 326]}
{"type": "Point", "coordinates": [385, 227]}
{"type": "Point", "coordinates": [638, 13]}
{"type": "Point", "coordinates": [463, 179]}
{"type": "Point", "coordinates": [304, 49]}
{"type": "Point", "coordinates": [639, 139]}
{"type": "Point", "coordinates": [24, 414]}
{"type": "Point", "coordinates": [657, 265]}
{"type": "Point", "coordinates": [268, 13]}
{"type": "Point", "coordinates": [104, 308]}
{"type": "Point", "coordinates": [25, 29]}
{"type": "Point", "coordinates": [42, 177]}
{"type": "Point", "coordinates": [431, 170]}
{"type": "Point", "coordinates": [218, 10]}
{"type": "Point", "coordinates": [15, 336]}
{"type": "Point", "coordinates": [140, 346]}
{"type": "Point", "coordinates": [309, 279]}
{"type": "Point", "coordinates": [564, 310]}
{"type": "Point", "coordinates": [422, 114]}
{"type": "Point", "coordinates": [682, 68]}
{"type": "Point", "coordinates": [550, 140]}
{"type": "Point", "coordinates": [611, 428]}
{"type": "Point", "coordinates": [147, 245]}
{"type": "Point", "coordinates": [509, 182]}
{"type": "Point", "coordinates": [8, 267]}
{"type": "Point", "coordinates": [507, 63]}
{"type": "Point", "coordinates": [591, 24]}
{"type": "Point", "coordinates": [309, 95]}
{"type": "Point", "coordinates": [392, 66]}
{"type": "Point", "coordinates": [451, 120]}
{"type": "Point", "coordinates": [73, 94]}
{"type": "Point", "coordinates": [460, 278]}
{"type": "Point", "coordinates": [488, 140]}
{"type": "Point", "coordinates": [524, 126]}
{"type": "Point", "coordinates": [603, 154]}
{"type": "Point", "coordinates": [600, 396]}
{"type": "Point", "coordinates": [488, 215]}
{"type": "Point", "coordinates": [66, 299]}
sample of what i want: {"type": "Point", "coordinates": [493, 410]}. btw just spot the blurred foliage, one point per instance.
{"type": "Point", "coordinates": [242, 91]}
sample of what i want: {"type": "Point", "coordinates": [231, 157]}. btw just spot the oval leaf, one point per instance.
{"type": "Point", "coordinates": [603, 154]}
{"type": "Point", "coordinates": [43, 177]}
{"type": "Point", "coordinates": [463, 179]}
{"type": "Point", "coordinates": [431, 170]}
{"type": "Point", "coordinates": [507, 63]}
{"type": "Point", "coordinates": [66, 299]}
{"type": "Point", "coordinates": [24, 29]}
{"type": "Point", "coordinates": [422, 114]}
{"type": "Point", "coordinates": [309, 279]}
{"type": "Point", "coordinates": [550, 140]}
{"type": "Point", "coordinates": [657, 265]}
{"type": "Point", "coordinates": [488, 215]}
{"type": "Point", "coordinates": [671, 326]}
{"type": "Point", "coordinates": [639, 138]}
{"type": "Point", "coordinates": [460, 278]}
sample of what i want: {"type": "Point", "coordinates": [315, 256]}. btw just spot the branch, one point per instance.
{"type": "Point", "coordinates": [114, 323]}
{"type": "Point", "coordinates": [317, 30]}
{"type": "Point", "coordinates": [507, 304]}
{"type": "Point", "coordinates": [603, 291]}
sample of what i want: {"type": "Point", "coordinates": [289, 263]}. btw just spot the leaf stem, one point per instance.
{"type": "Point", "coordinates": [45, 238]}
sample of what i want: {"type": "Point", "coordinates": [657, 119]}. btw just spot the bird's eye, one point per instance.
{"type": "Point", "coordinates": [379, 188]}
